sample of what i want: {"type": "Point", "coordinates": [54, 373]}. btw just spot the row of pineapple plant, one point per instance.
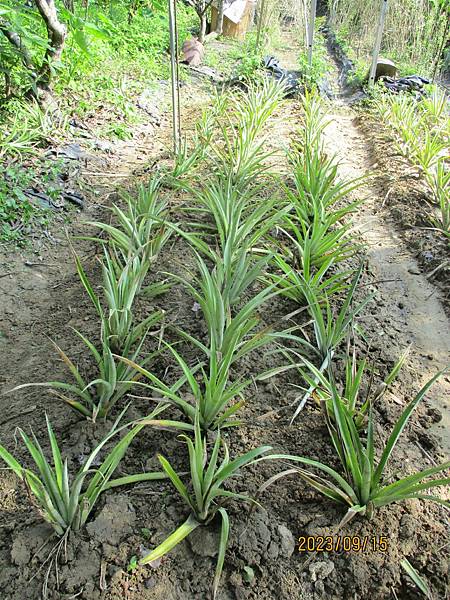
{"type": "Point", "coordinates": [247, 250]}
{"type": "Point", "coordinates": [421, 132]}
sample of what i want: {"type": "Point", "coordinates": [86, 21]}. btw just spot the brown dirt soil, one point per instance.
{"type": "Point", "coordinates": [406, 197]}
{"type": "Point", "coordinates": [46, 300]}
{"type": "Point", "coordinates": [413, 308]}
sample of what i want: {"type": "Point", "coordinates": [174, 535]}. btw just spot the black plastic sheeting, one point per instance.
{"type": "Point", "coordinates": [290, 79]}
{"type": "Point", "coordinates": [411, 83]}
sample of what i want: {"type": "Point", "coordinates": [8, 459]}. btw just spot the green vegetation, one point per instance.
{"type": "Point", "coordinates": [16, 210]}
{"type": "Point", "coordinates": [364, 485]}
{"type": "Point", "coordinates": [208, 478]}
{"type": "Point", "coordinates": [107, 57]}
{"type": "Point", "coordinates": [317, 237]}
{"type": "Point", "coordinates": [66, 501]}
{"type": "Point", "coordinates": [21, 213]}
{"type": "Point", "coordinates": [107, 54]}
{"type": "Point", "coordinates": [247, 235]}
{"type": "Point", "coordinates": [415, 34]}
{"type": "Point", "coordinates": [94, 399]}
{"type": "Point", "coordinates": [421, 132]}
{"type": "Point", "coordinates": [226, 209]}
{"type": "Point", "coordinates": [350, 396]}
{"type": "Point", "coordinates": [140, 235]}
{"type": "Point", "coordinates": [416, 578]}
{"type": "Point", "coordinates": [320, 66]}
{"type": "Point", "coordinates": [243, 60]}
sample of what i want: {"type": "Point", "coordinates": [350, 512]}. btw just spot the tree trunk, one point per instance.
{"type": "Point", "coordinates": [42, 75]}
{"type": "Point", "coordinates": [15, 39]}
{"type": "Point", "coordinates": [220, 9]}
{"type": "Point", "coordinates": [202, 34]}
{"type": "Point", "coordinates": [56, 32]}
{"type": "Point", "coordinates": [305, 17]}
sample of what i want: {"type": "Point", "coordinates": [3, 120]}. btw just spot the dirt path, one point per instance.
{"type": "Point", "coordinates": [411, 304]}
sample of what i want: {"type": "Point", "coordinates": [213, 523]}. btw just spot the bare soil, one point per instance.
{"type": "Point", "coordinates": [405, 196]}
{"type": "Point", "coordinates": [44, 300]}
{"type": "Point", "coordinates": [414, 308]}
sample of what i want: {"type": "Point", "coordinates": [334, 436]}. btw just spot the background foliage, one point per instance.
{"type": "Point", "coordinates": [415, 34]}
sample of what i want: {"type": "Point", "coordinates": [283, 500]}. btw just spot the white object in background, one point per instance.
{"type": "Point", "coordinates": [234, 9]}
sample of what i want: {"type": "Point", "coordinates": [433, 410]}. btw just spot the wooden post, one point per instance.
{"type": "Point", "coordinates": [220, 9]}
{"type": "Point", "coordinates": [376, 50]}
{"type": "Point", "coordinates": [333, 13]}
{"type": "Point", "coordinates": [305, 18]}
{"type": "Point", "coordinates": [312, 20]}
{"type": "Point", "coordinates": [176, 120]}
{"type": "Point", "coordinates": [260, 22]}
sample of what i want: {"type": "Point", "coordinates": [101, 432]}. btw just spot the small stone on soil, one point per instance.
{"type": "Point", "coordinates": [150, 583]}
{"type": "Point", "coordinates": [321, 569]}
{"type": "Point", "coordinates": [287, 541]}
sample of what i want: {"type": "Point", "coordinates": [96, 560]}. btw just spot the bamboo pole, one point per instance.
{"type": "Point", "coordinates": [305, 17]}
{"type": "Point", "coordinates": [376, 50]}
{"type": "Point", "coordinates": [260, 22]}
{"type": "Point", "coordinates": [174, 72]}
{"type": "Point", "coordinates": [312, 20]}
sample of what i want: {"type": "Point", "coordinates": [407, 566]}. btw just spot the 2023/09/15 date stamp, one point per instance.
{"type": "Point", "coordinates": [342, 543]}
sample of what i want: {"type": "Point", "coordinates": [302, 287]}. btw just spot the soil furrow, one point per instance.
{"type": "Point", "coordinates": [411, 300]}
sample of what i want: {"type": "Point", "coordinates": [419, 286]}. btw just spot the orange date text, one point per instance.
{"type": "Point", "coordinates": [342, 543]}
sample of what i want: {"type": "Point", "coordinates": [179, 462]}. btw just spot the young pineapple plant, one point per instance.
{"type": "Point", "coordinates": [232, 334]}
{"type": "Point", "coordinates": [439, 183]}
{"type": "Point", "coordinates": [318, 192]}
{"type": "Point", "coordinates": [364, 485]}
{"type": "Point", "coordinates": [67, 500]}
{"type": "Point", "coordinates": [240, 152]}
{"type": "Point", "coordinates": [308, 259]}
{"type": "Point", "coordinates": [422, 134]}
{"type": "Point", "coordinates": [206, 495]}
{"type": "Point", "coordinates": [317, 239]}
{"type": "Point", "coordinates": [330, 329]}
{"type": "Point", "coordinates": [94, 399]}
{"type": "Point", "coordinates": [121, 284]}
{"type": "Point", "coordinates": [241, 223]}
{"type": "Point", "coordinates": [434, 107]}
{"type": "Point", "coordinates": [351, 392]}
{"type": "Point", "coordinates": [189, 157]}
{"type": "Point", "coordinates": [314, 119]}
{"type": "Point", "coordinates": [142, 229]}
